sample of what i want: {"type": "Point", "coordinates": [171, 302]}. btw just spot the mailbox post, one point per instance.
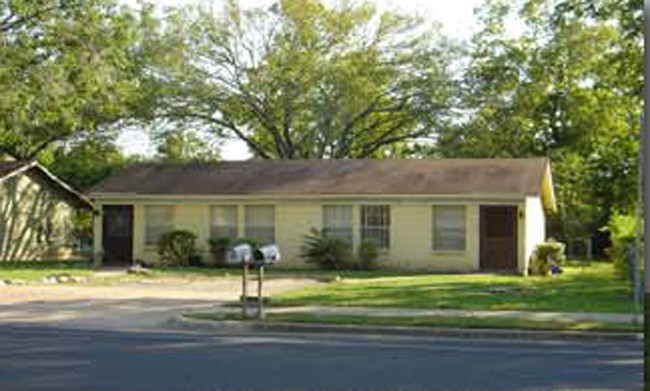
{"type": "Point", "coordinates": [261, 257]}
{"type": "Point", "coordinates": [260, 296]}
{"type": "Point", "coordinates": [244, 290]}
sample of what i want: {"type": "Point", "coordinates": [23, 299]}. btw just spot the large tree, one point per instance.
{"type": "Point", "coordinates": [67, 67]}
{"type": "Point", "coordinates": [302, 79]}
{"type": "Point", "coordinates": [567, 88]}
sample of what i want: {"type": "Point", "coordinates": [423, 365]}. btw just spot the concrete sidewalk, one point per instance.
{"type": "Point", "coordinates": [414, 313]}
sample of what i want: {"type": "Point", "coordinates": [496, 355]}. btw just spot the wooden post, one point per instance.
{"type": "Point", "coordinates": [260, 296]}
{"type": "Point", "coordinates": [244, 295]}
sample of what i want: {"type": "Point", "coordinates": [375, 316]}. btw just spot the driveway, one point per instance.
{"type": "Point", "coordinates": [127, 306]}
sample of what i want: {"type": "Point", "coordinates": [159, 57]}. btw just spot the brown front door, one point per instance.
{"type": "Point", "coordinates": [118, 235]}
{"type": "Point", "coordinates": [498, 237]}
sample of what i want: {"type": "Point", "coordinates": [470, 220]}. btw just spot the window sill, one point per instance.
{"type": "Point", "coordinates": [449, 252]}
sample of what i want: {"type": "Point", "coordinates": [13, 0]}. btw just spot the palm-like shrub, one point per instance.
{"type": "Point", "coordinates": [327, 252]}
{"type": "Point", "coordinates": [546, 256]}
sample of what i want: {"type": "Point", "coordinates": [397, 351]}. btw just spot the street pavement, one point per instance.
{"type": "Point", "coordinates": [37, 357]}
{"type": "Point", "coordinates": [101, 338]}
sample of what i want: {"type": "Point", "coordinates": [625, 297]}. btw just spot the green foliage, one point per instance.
{"type": "Point", "coordinates": [568, 88]}
{"type": "Point", "coordinates": [254, 243]}
{"type": "Point", "coordinates": [68, 68]}
{"type": "Point", "coordinates": [84, 163]}
{"type": "Point", "coordinates": [622, 230]}
{"type": "Point", "coordinates": [368, 254]}
{"type": "Point", "coordinates": [302, 79]}
{"type": "Point", "coordinates": [327, 252]}
{"type": "Point", "coordinates": [176, 247]}
{"type": "Point", "coordinates": [546, 255]}
{"type": "Point", "coordinates": [184, 145]}
{"type": "Point", "coordinates": [219, 249]}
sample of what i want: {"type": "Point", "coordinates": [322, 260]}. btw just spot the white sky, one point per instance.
{"type": "Point", "coordinates": [457, 19]}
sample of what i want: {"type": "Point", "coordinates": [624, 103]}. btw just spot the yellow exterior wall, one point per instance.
{"type": "Point", "coordinates": [535, 225]}
{"type": "Point", "coordinates": [411, 230]}
{"type": "Point", "coordinates": [292, 223]}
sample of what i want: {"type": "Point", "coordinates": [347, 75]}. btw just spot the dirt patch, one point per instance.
{"type": "Point", "coordinates": [223, 289]}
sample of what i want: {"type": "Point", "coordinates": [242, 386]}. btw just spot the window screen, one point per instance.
{"type": "Point", "coordinates": [158, 220]}
{"type": "Point", "coordinates": [449, 228]}
{"type": "Point", "coordinates": [337, 221]}
{"type": "Point", "coordinates": [260, 223]}
{"type": "Point", "coordinates": [223, 221]}
{"type": "Point", "coordinates": [375, 224]}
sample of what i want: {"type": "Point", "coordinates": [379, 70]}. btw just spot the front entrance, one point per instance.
{"type": "Point", "coordinates": [118, 235]}
{"type": "Point", "coordinates": [498, 246]}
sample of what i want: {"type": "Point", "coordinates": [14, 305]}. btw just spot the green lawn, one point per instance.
{"type": "Point", "coordinates": [36, 271]}
{"type": "Point", "coordinates": [589, 289]}
{"type": "Point", "coordinates": [430, 321]}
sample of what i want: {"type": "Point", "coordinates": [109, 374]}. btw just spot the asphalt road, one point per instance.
{"type": "Point", "coordinates": [48, 358]}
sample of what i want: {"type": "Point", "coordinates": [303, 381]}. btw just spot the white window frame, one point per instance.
{"type": "Point", "coordinates": [151, 238]}
{"type": "Point", "coordinates": [224, 221]}
{"type": "Point", "coordinates": [255, 228]}
{"type": "Point", "coordinates": [338, 221]}
{"type": "Point", "coordinates": [442, 231]}
{"type": "Point", "coordinates": [379, 232]}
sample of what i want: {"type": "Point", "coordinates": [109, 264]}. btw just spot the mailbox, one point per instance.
{"type": "Point", "coordinates": [266, 255]}
{"type": "Point", "coordinates": [240, 254]}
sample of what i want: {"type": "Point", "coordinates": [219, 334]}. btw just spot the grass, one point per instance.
{"type": "Point", "coordinates": [580, 289]}
{"type": "Point", "coordinates": [36, 271]}
{"type": "Point", "coordinates": [431, 321]}
{"type": "Point", "coordinates": [589, 289]}
{"type": "Point", "coordinates": [276, 273]}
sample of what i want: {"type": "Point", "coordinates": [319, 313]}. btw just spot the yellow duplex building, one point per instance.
{"type": "Point", "coordinates": [443, 215]}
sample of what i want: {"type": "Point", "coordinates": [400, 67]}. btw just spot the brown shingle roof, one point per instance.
{"type": "Point", "coordinates": [335, 177]}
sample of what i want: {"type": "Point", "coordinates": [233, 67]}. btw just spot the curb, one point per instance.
{"type": "Point", "coordinates": [235, 326]}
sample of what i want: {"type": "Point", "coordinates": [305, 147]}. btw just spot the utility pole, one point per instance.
{"type": "Point", "coordinates": [638, 247]}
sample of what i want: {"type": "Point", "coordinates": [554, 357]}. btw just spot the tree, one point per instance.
{"type": "Point", "coordinates": [564, 89]}
{"type": "Point", "coordinates": [84, 162]}
{"type": "Point", "coordinates": [301, 79]}
{"type": "Point", "coordinates": [184, 145]}
{"type": "Point", "coordinates": [68, 68]}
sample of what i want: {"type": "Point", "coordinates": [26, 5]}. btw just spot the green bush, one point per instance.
{"type": "Point", "coordinates": [546, 255]}
{"type": "Point", "coordinates": [327, 252]}
{"type": "Point", "coordinates": [176, 247]}
{"type": "Point", "coordinates": [622, 231]}
{"type": "Point", "coordinates": [254, 243]}
{"type": "Point", "coordinates": [219, 249]}
{"type": "Point", "coordinates": [368, 255]}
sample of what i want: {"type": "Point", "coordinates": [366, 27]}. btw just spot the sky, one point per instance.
{"type": "Point", "coordinates": [457, 19]}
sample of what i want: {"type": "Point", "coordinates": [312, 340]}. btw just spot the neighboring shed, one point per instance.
{"type": "Point", "coordinates": [36, 211]}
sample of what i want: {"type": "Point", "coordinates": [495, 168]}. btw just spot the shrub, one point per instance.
{"type": "Point", "coordinates": [219, 249]}
{"type": "Point", "coordinates": [547, 255]}
{"type": "Point", "coordinates": [368, 255]}
{"type": "Point", "coordinates": [327, 252]}
{"type": "Point", "coordinates": [176, 247]}
{"type": "Point", "coordinates": [622, 230]}
{"type": "Point", "coordinates": [254, 243]}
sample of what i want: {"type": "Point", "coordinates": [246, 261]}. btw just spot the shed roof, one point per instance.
{"type": "Point", "coordinates": [9, 169]}
{"type": "Point", "coordinates": [332, 177]}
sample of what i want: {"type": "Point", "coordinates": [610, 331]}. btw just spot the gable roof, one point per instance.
{"type": "Point", "coordinates": [12, 168]}
{"type": "Point", "coordinates": [332, 177]}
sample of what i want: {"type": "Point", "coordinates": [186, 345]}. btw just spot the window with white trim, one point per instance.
{"type": "Point", "coordinates": [449, 228]}
{"type": "Point", "coordinates": [259, 223]}
{"type": "Point", "coordinates": [159, 219]}
{"type": "Point", "coordinates": [375, 224]}
{"type": "Point", "coordinates": [223, 221]}
{"type": "Point", "coordinates": [337, 221]}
